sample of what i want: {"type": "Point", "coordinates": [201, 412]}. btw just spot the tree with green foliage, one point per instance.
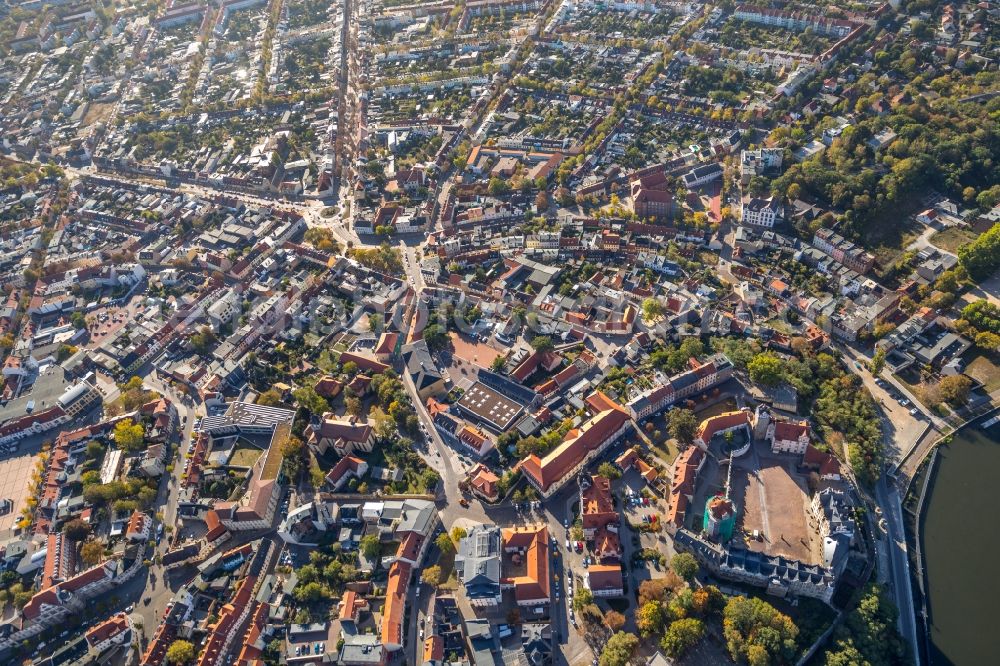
{"type": "Point", "coordinates": [609, 471]}
{"type": "Point", "coordinates": [681, 636]}
{"type": "Point", "coordinates": [436, 337]}
{"type": "Point", "coordinates": [684, 565]}
{"type": "Point", "coordinates": [431, 575]}
{"type": "Point", "coordinates": [445, 543]}
{"type": "Point", "coordinates": [370, 546]}
{"type": "Point", "coordinates": [955, 389]}
{"type": "Point", "coordinates": [129, 436]}
{"type": "Point", "coordinates": [754, 629]}
{"type": "Point", "coordinates": [76, 530]}
{"type": "Point", "coordinates": [270, 398]}
{"type": "Point", "coordinates": [582, 598]}
{"type": "Point", "coordinates": [682, 425]}
{"type": "Point", "coordinates": [650, 618]}
{"type": "Point", "coordinates": [981, 257]}
{"type": "Point", "coordinates": [652, 309]}
{"type": "Point", "coordinates": [308, 398]}
{"type": "Point", "coordinates": [311, 592]}
{"type": "Point", "coordinates": [498, 186]}
{"type": "Point", "coordinates": [542, 343]}
{"type": "Point", "coordinates": [765, 369]}
{"type": "Point", "coordinates": [619, 649]}
{"type": "Point", "coordinates": [203, 340]}
{"type": "Point", "coordinates": [180, 652]}
{"type": "Point", "coordinates": [877, 363]}
{"type": "Point", "coordinates": [868, 634]}
{"type": "Point", "coordinates": [989, 342]}
{"type": "Point", "coordinates": [982, 316]}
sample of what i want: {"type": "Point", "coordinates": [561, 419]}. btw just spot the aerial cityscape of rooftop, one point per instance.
{"type": "Point", "coordinates": [499, 332]}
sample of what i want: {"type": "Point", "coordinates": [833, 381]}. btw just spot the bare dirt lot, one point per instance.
{"type": "Point", "coordinates": [774, 499]}
{"type": "Point", "coordinates": [479, 353]}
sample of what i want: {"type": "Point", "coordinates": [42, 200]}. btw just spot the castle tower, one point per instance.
{"type": "Point", "coordinates": [720, 518]}
{"type": "Point", "coordinates": [761, 420]}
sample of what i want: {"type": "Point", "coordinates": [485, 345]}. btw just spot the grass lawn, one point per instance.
{"type": "Point", "coordinates": [245, 457]}
{"type": "Point", "coordinates": [952, 238]}
{"type": "Point", "coordinates": [666, 449]}
{"type": "Point", "coordinates": [709, 258]}
{"type": "Point", "coordinates": [447, 564]}
{"type": "Point", "coordinates": [982, 369]}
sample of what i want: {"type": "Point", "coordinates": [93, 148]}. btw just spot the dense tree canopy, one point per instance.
{"type": "Point", "coordinates": [868, 636]}
{"type": "Point", "coordinates": [754, 628]}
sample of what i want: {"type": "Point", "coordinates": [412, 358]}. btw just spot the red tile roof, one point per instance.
{"type": "Point", "coordinates": [533, 542]}
{"type": "Point", "coordinates": [395, 603]}
{"type": "Point", "coordinates": [107, 629]}
{"type": "Point", "coordinates": [597, 507]}
{"type": "Point", "coordinates": [724, 421]}
{"type": "Point", "coordinates": [578, 443]}
{"type": "Point", "coordinates": [790, 430]}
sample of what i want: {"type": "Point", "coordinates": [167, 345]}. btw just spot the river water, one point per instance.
{"type": "Point", "coordinates": [961, 540]}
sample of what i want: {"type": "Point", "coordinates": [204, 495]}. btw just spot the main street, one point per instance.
{"type": "Point", "coordinates": [888, 498]}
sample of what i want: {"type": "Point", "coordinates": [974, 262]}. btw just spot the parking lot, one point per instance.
{"type": "Point", "coordinates": [104, 322]}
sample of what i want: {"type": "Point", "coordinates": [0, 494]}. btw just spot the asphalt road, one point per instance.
{"type": "Point", "coordinates": [888, 499]}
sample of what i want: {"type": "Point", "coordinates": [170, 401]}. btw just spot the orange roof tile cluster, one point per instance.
{"type": "Point", "coordinates": [720, 422]}
{"type": "Point", "coordinates": [228, 616]}
{"type": "Point", "coordinates": [214, 526]}
{"type": "Point", "coordinates": [252, 653]}
{"type": "Point", "coordinates": [60, 560]}
{"type": "Point", "coordinates": [578, 443]}
{"type": "Point", "coordinates": [328, 387]}
{"type": "Point", "coordinates": [386, 344]}
{"type": "Point", "coordinates": [604, 577]}
{"type": "Point", "coordinates": [364, 363]}
{"type": "Point", "coordinates": [597, 508]}
{"type": "Point", "coordinates": [50, 595]}
{"type": "Point", "coordinates": [484, 481]}
{"type": "Point", "coordinates": [790, 430]}
{"type": "Point", "coordinates": [433, 649]}
{"type": "Point", "coordinates": [110, 628]}
{"type": "Point", "coordinates": [547, 360]}
{"type": "Point", "coordinates": [136, 523]}
{"type": "Point", "coordinates": [631, 458]}
{"type": "Point", "coordinates": [409, 547]}
{"type": "Point", "coordinates": [720, 507]}
{"type": "Point", "coordinates": [607, 545]}
{"type": "Point", "coordinates": [350, 605]}
{"type": "Point", "coordinates": [532, 541]}
{"type": "Point", "coordinates": [682, 485]}
{"type": "Point", "coordinates": [395, 603]}
{"type": "Point", "coordinates": [156, 650]}
{"type": "Point", "coordinates": [346, 465]}
{"type": "Point", "coordinates": [825, 463]}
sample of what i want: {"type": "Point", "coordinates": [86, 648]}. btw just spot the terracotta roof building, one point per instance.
{"type": "Point", "coordinates": [605, 580]}
{"type": "Point", "coordinates": [788, 436]}
{"type": "Point", "coordinates": [580, 446]}
{"type": "Point", "coordinates": [395, 605]}
{"type": "Point", "coordinates": [597, 509]}
{"type": "Point", "coordinates": [529, 547]}
{"type": "Point", "coordinates": [686, 469]}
